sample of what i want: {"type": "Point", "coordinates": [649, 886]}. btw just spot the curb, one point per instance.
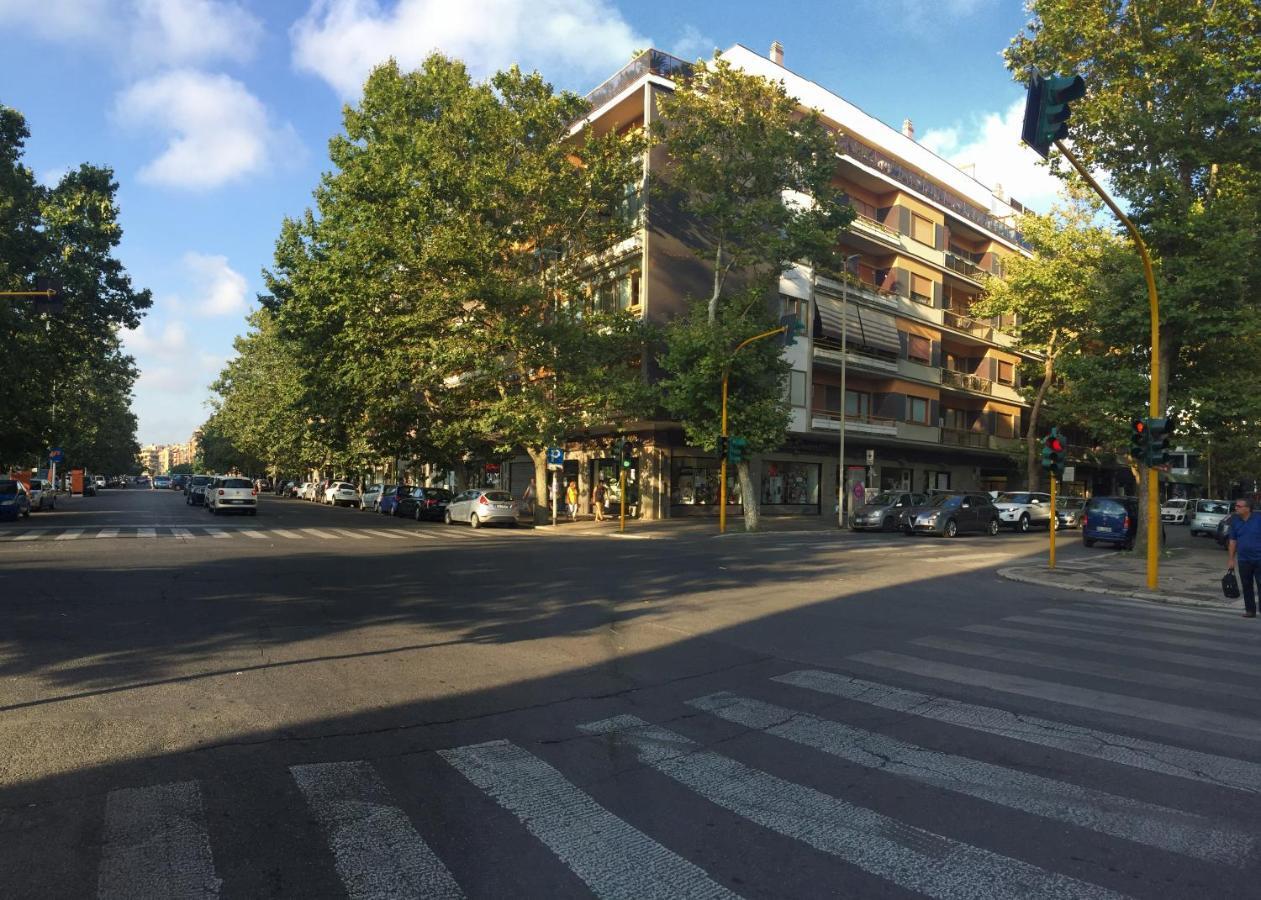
{"type": "Point", "coordinates": [1020, 575]}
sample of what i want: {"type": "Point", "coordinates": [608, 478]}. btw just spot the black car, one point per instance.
{"type": "Point", "coordinates": [424, 503]}
{"type": "Point", "coordinates": [1223, 531]}
{"type": "Point", "coordinates": [195, 495]}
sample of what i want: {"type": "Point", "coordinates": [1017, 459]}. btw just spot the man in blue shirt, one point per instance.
{"type": "Point", "coordinates": [1245, 547]}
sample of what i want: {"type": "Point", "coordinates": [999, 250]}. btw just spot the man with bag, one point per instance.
{"type": "Point", "coordinates": [1245, 547]}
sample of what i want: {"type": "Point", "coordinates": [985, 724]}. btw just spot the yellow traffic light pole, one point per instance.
{"type": "Point", "coordinates": [1153, 501]}
{"type": "Point", "coordinates": [1055, 522]}
{"type": "Point", "coordinates": [722, 475]}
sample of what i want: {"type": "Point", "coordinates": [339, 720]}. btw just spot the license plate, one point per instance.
{"type": "Point", "coordinates": [1104, 528]}
{"type": "Point", "coordinates": [502, 506]}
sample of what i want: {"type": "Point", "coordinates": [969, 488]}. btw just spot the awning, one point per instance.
{"type": "Point", "coordinates": [866, 327]}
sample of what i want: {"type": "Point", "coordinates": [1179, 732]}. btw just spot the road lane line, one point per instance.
{"type": "Point", "coordinates": [1223, 629]}
{"type": "Point", "coordinates": [1101, 701]}
{"type": "Point", "coordinates": [1083, 666]}
{"type": "Point", "coordinates": [1107, 746]}
{"type": "Point", "coordinates": [251, 533]}
{"type": "Point", "coordinates": [70, 535]}
{"type": "Point", "coordinates": [615, 859]}
{"type": "Point", "coordinates": [378, 853]}
{"type": "Point", "coordinates": [107, 533]}
{"type": "Point", "coordinates": [156, 845]}
{"type": "Point", "coordinates": [146, 532]}
{"type": "Point", "coordinates": [908, 857]}
{"type": "Point", "coordinates": [217, 533]}
{"type": "Point", "coordinates": [1121, 817]}
{"type": "Point", "coordinates": [1079, 643]}
{"type": "Point", "coordinates": [1137, 633]}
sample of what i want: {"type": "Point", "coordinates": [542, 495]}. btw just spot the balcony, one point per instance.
{"type": "Point", "coordinates": [957, 263]}
{"type": "Point", "coordinates": [823, 420]}
{"type": "Point", "coordinates": [954, 437]}
{"type": "Point", "coordinates": [828, 350]}
{"type": "Point", "coordinates": [974, 383]}
{"type": "Point", "coordinates": [965, 324]}
{"type": "Point", "coordinates": [650, 62]}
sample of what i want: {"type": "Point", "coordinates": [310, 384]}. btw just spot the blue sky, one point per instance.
{"type": "Point", "coordinates": [215, 114]}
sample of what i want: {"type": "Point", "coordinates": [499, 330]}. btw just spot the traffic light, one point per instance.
{"type": "Point", "coordinates": [1046, 110]}
{"type": "Point", "coordinates": [1139, 441]}
{"type": "Point", "coordinates": [1053, 452]}
{"type": "Point", "coordinates": [793, 327]}
{"type": "Point", "coordinates": [722, 446]}
{"type": "Point", "coordinates": [737, 450]}
{"type": "Point", "coordinates": [624, 454]}
{"type": "Point", "coordinates": [1158, 433]}
{"type": "Point", "coordinates": [54, 302]}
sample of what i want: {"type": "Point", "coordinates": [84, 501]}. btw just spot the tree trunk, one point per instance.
{"type": "Point", "coordinates": [750, 496]}
{"type": "Point", "coordinates": [542, 500]}
{"type": "Point", "coordinates": [717, 292]}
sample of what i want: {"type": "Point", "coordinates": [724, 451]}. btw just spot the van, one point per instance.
{"type": "Point", "coordinates": [1112, 520]}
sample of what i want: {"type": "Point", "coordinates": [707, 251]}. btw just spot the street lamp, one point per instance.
{"type": "Point", "coordinates": [840, 486]}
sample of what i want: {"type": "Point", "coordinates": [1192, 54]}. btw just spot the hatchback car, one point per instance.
{"type": "Point", "coordinates": [1223, 531]}
{"type": "Point", "coordinates": [1022, 510]}
{"type": "Point", "coordinates": [372, 496]}
{"type": "Point", "coordinates": [952, 514]}
{"type": "Point", "coordinates": [883, 511]}
{"type": "Point", "coordinates": [161, 482]}
{"type": "Point", "coordinates": [390, 497]}
{"type": "Point", "coordinates": [1207, 514]}
{"type": "Point", "coordinates": [1174, 511]}
{"type": "Point", "coordinates": [482, 506]}
{"type": "Point", "coordinates": [341, 493]}
{"type": "Point", "coordinates": [425, 503]}
{"type": "Point", "coordinates": [15, 502]}
{"type": "Point", "coordinates": [1113, 520]}
{"type": "Point", "coordinates": [1068, 512]}
{"type": "Point", "coordinates": [196, 493]}
{"type": "Point", "coordinates": [42, 494]}
{"type": "Point", "coordinates": [232, 494]}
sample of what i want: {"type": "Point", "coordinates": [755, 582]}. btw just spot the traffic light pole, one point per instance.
{"type": "Point", "coordinates": [722, 474]}
{"type": "Point", "coordinates": [622, 494]}
{"type": "Point", "coordinates": [1055, 521]}
{"type": "Point", "coordinates": [1153, 500]}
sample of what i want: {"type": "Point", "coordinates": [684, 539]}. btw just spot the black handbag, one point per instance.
{"type": "Point", "coordinates": [1230, 585]}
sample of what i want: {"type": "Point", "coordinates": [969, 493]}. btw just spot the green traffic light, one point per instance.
{"type": "Point", "coordinates": [1047, 110]}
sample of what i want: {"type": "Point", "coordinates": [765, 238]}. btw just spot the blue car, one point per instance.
{"type": "Point", "coordinates": [390, 497]}
{"type": "Point", "coordinates": [15, 502]}
{"type": "Point", "coordinates": [1113, 520]}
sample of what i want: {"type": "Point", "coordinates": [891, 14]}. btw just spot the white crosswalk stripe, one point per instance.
{"type": "Point", "coordinates": [614, 859]}
{"type": "Point", "coordinates": [251, 533]}
{"type": "Point", "coordinates": [910, 857]}
{"type": "Point", "coordinates": [217, 533]}
{"type": "Point", "coordinates": [146, 532]}
{"type": "Point", "coordinates": [156, 845]}
{"type": "Point", "coordinates": [381, 532]}
{"type": "Point", "coordinates": [107, 533]}
{"type": "Point", "coordinates": [1133, 634]}
{"type": "Point", "coordinates": [377, 851]}
{"type": "Point", "coordinates": [29, 536]}
{"type": "Point", "coordinates": [183, 533]}
{"type": "Point", "coordinates": [71, 534]}
{"type": "Point", "coordinates": [1146, 622]}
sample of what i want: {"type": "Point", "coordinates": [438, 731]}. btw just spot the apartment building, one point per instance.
{"type": "Point", "coordinates": [931, 396]}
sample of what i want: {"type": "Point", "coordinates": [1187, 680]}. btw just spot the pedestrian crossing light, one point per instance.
{"type": "Point", "coordinates": [793, 328]}
{"type": "Point", "coordinates": [1158, 433]}
{"type": "Point", "coordinates": [1139, 443]}
{"type": "Point", "coordinates": [1046, 110]}
{"type": "Point", "coordinates": [624, 453]}
{"type": "Point", "coordinates": [737, 450]}
{"type": "Point", "coordinates": [1053, 452]}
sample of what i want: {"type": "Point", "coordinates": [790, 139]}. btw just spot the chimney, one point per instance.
{"type": "Point", "coordinates": [777, 53]}
{"type": "Point", "coordinates": [908, 128]}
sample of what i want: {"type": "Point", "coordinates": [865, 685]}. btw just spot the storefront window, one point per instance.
{"type": "Point", "coordinates": [788, 483]}
{"type": "Point", "coordinates": [694, 482]}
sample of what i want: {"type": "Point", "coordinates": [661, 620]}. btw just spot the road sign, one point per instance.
{"type": "Point", "coordinates": [56, 455]}
{"type": "Point", "coordinates": [871, 457]}
{"type": "Point", "coordinates": [555, 457]}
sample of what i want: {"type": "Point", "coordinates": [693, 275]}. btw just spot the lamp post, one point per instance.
{"type": "Point", "coordinates": [840, 487]}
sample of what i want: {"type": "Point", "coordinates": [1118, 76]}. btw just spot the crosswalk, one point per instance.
{"type": "Point", "coordinates": [190, 532]}
{"type": "Point", "coordinates": [939, 721]}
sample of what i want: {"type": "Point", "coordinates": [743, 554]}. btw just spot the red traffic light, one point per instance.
{"type": "Point", "coordinates": [1139, 426]}
{"type": "Point", "coordinates": [1055, 444]}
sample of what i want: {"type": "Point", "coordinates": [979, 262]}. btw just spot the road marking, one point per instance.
{"type": "Point", "coordinates": [1223, 630]}
{"type": "Point", "coordinates": [909, 857]}
{"type": "Point", "coordinates": [1101, 701]}
{"type": "Point", "coordinates": [1086, 667]}
{"type": "Point", "coordinates": [380, 532]}
{"type": "Point", "coordinates": [315, 532]}
{"type": "Point", "coordinates": [70, 535]}
{"type": "Point", "coordinates": [146, 532]}
{"type": "Point", "coordinates": [30, 536]}
{"type": "Point", "coordinates": [1133, 820]}
{"type": "Point", "coordinates": [1074, 642]}
{"type": "Point", "coordinates": [251, 533]}
{"type": "Point", "coordinates": [377, 851]}
{"type": "Point", "coordinates": [156, 845]}
{"type": "Point", "coordinates": [613, 858]}
{"type": "Point", "coordinates": [107, 533]}
{"type": "Point", "coordinates": [346, 532]}
{"type": "Point", "coordinates": [1136, 633]}
{"type": "Point", "coordinates": [183, 533]}
{"type": "Point", "coordinates": [217, 533]}
{"type": "Point", "coordinates": [1089, 742]}
{"type": "Point", "coordinates": [290, 535]}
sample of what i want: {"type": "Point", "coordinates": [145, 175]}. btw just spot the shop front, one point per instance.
{"type": "Point", "coordinates": [790, 487]}
{"type": "Point", "coordinates": [694, 483]}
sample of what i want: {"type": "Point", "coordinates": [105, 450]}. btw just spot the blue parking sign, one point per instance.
{"type": "Point", "coordinates": [555, 456]}
{"type": "Point", "coordinates": [56, 455]}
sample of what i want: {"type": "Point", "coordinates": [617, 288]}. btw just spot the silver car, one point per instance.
{"type": "Point", "coordinates": [1021, 510]}
{"type": "Point", "coordinates": [482, 506]}
{"type": "Point", "coordinates": [1207, 514]}
{"type": "Point", "coordinates": [883, 512]}
{"type": "Point", "coordinates": [372, 496]}
{"type": "Point", "coordinates": [42, 494]}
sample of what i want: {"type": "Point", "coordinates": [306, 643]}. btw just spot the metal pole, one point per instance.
{"type": "Point", "coordinates": [623, 493]}
{"type": "Point", "coordinates": [1055, 520]}
{"type": "Point", "coordinates": [722, 467]}
{"type": "Point", "coordinates": [1153, 302]}
{"type": "Point", "coordinates": [840, 488]}
{"type": "Point", "coordinates": [556, 498]}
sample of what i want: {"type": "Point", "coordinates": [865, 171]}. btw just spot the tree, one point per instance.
{"type": "Point", "coordinates": [752, 176]}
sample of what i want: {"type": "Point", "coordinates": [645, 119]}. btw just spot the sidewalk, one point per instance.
{"type": "Point", "coordinates": [1186, 577]}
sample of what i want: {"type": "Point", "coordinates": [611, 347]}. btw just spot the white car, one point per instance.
{"type": "Point", "coordinates": [482, 506]}
{"type": "Point", "coordinates": [372, 496]}
{"type": "Point", "coordinates": [1174, 511]}
{"type": "Point", "coordinates": [42, 495]}
{"type": "Point", "coordinates": [1022, 510]}
{"type": "Point", "coordinates": [230, 493]}
{"type": "Point", "coordinates": [341, 493]}
{"type": "Point", "coordinates": [99, 480]}
{"type": "Point", "coordinates": [305, 490]}
{"type": "Point", "coordinates": [1207, 514]}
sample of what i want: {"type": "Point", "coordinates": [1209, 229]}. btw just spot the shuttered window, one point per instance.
{"type": "Point", "coordinates": [922, 230]}
{"type": "Point", "coordinates": [919, 349]}
{"type": "Point", "coordinates": [921, 289]}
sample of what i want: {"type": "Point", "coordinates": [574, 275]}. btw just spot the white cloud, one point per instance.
{"type": "Point", "coordinates": [171, 343]}
{"type": "Point", "coordinates": [219, 131]}
{"type": "Point", "coordinates": [220, 289]}
{"type": "Point", "coordinates": [342, 40]}
{"type": "Point", "coordinates": [692, 44]}
{"type": "Point", "coordinates": [990, 147]}
{"type": "Point", "coordinates": [59, 20]}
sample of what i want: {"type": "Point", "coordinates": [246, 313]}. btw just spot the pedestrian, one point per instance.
{"type": "Point", "coordinates": [571, 500]}
{"type": "Point", "coordinates": [597, 500]}
{"type": "Point", "coordinates": [1245, 548]}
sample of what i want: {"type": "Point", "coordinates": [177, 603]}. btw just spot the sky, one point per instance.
{"type": "Point", "coordinates": [215, 115]}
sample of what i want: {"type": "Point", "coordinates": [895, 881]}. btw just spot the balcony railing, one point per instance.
{"type": "Point", "coordinates": [963, 266]}
{"type": "Point", "coordinates": [834, 419]}
{"type": "Point", "coordinates": [971, 326]}
{"type": "Point", "coordinates": [967, 382]}
{"type": "Point", "coordinates": [652, 62]}
{"type": "Point", "coordinates": [881, 163]}
{"type": "Point", "coordinates": [957, 437]}
{"type": "Point", "coordinates": [856, 355]}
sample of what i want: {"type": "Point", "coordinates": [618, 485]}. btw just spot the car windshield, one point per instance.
{"type": "Point", "coordinates": [884, 499]}
{"type": "Point", "coordinates": [1014, 498]}
{"type": "Point", "coordinates": [1176, 503]}
{"type": "Point", "coordinates": [1212, 506]}
{"type": "Point", "coordinates": [342, 486]}
{"type": "Point", "coordinates": [202, 479]}
{"type": "Point", "coordinates": [498, 496]}
{"type": "Point", "coordinates": [236, 483]}
{"type": "Point", "coordinates": [1071, 503]}
{"type": "Point", "coordinates": [947, 501]}
{"type": "Point", "coordinates": [437, 493]}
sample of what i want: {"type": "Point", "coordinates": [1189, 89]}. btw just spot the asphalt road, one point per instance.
{"type": "Point", "coordinates": [322, 702]}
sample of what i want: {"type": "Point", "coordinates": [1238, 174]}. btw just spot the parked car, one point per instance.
{"type": "Point", "coordinates": [372, 496]}
{"type": "Point", "coordinates": [196, 493]}
{"type": "Point", "coordinates": [952, 514]}
{"type": "Point", "coordinates": [388, 504]}
{"type": "Point", "coordinates": [143, 482]}
{"type": "Point", "coordinates": [1207, 514]}
{"type": "Point", "coordinates": [1068, 512]}
{"type": "Point", "coordinates": [42, 494]}
{"type": "Point", "coordinates": [341, 493]}
{"type": "Point", "coordinates": [230, 493]}
{"type": "Point", "coordinates": [89, 487]}
{"type": "Point", "coordinates": [162, 482]}
{"type": "Point", "coordinates": [1022, 510]}
{"type": "Point", "coordinates": [1223, 531]}
{"type": "Point", "coordinates": [1113, 520]}
{"type": "Point", "coordinates": [883, 511]}
{"type": "Point", "coordinates": [178, 482]}
{"type": "Point", "coordinates": [99, 481]}
{"type": "Point", "coordinates": [305, 490]}
{"type": "Point", "coordinates": [1174, 511]}
{"type": "Point", "coordinates": [482, 506]}
{"type": "Point", "coordinates": [15, 502]}
{"type": "Point", "coordinates": [425, 503]}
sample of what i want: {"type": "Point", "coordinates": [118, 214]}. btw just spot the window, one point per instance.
{"type": "Point", "coordinates": [1004, 425]}
{"type": "Point", "coordinates": [797, 387]}
{"type": "Point", "coordinates": [617, 290]}
{"type": "Point", "coordinates": [921, 289]}
{"type": "Point", "coordinates": [919, 349]}
{"type": "Point", "coordinates": [917, 410]}
{"type": "Point", "coordinates": [857, 404]}
{"type": "Point", "coordinates": [694, 482]}
{"type": "Point", "coordinates": [1006, 372]}
{"type": "Point", "coordinates": [922, 230]}
{"type": "Point", "coordinates": [957, 419]}
{"type": "Point", "coordinates": [790, 483]}
{"type": "Point", "coordinates": [796, 307]}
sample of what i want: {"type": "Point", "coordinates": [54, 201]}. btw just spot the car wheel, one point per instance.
{"type": "Point", "coordinates": [1023, 525]}
{"type": "Point", "coordinates": [951, 529]}
{"type": "Point", "coordinates": [446, 517]}
{"type": "Point", "coordinates": [993, 529]}
{"type": "Point", "coordinates": [1087, 542]}
{"type": "Point", "coordinates": [475, 521]}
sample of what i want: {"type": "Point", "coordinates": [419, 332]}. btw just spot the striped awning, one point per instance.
{"type": "Point", "coordinates": [865, 328]}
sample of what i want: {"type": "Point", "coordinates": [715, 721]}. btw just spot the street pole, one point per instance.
{"type": "Point", "coordinates": [1153, 302]}
{"type": "Point", "coordinates": [622, 493]}
{"type": "Point", "coordinates": [840, 487]}
{"type": "Point", "coordinates": [1055, 520]}
{"type": "Point", "coordinates": [555, 498]}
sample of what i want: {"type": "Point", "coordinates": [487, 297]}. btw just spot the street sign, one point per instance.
{"type": "Point", "coordinates": [555, 458]}
{"type": "Point", "coordinates": [871, 457]}
{"type": "Point", "coordinates": [56, 455]}
{"type": "Point", "coordinates": [1070, 474]}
